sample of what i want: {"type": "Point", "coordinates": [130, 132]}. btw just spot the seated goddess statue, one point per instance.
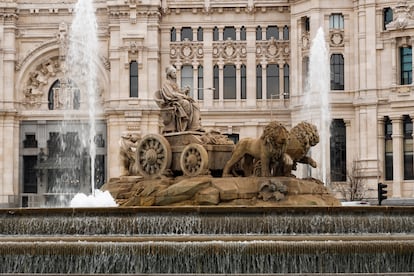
{"type": "Point", "coordinates": [186, 110]}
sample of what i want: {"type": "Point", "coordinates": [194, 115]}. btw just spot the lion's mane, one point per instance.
{"type": "Point", "coordinates": [302, 137]}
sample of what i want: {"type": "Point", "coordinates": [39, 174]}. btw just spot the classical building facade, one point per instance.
{"type": "Point", "coordinates": [245, 61]}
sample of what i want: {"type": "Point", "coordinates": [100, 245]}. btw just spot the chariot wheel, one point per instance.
{"type": "Point", "coordinates": [153, 156]}
{"type": "Point", "coordinates": [194, 160]}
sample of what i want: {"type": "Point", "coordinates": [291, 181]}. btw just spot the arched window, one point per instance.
{"type": "Point", "coordinates": [243, 81]}
{"type": "Point", "coordinates": [229, 33]}
{"type": "Point", "coordinates": [286, 91]}
{"type": "Point", "coordinates": [133, 79]}
{"type": "Point", "coordinates": [186, 33]}
{"type": "Point", "coordinates": [173, 34]}
{"type": "Point", "coordinates": [187, 78]}
{"type": "Point", "coordinates": [338, 150]}
{"type": "Point", "coordinates": [229, 81]}
{"type": "Point", "coordinates": [408, 148]}
{"type": "Point", "coordinates": [215, 34]}
{"type": "Point", "coordinates": [285, 33]}
{"type": "Point", "coordinates": [258, 33]}
{"type": "Point", "coordinates": [259, 89]}
{"type": "Point", "coordinates": [200, 82]}
{"type": "Point", "coordinates": [337, 72]}
{"type": "Point", "coordinates": [200, 34]}
{"type": "Point", "coordinates": [65, 96]}
{"type": "Point", "coordinates": [388, 160]}
{"type": "Point", "coordinates": [272, 81]}
{"type": "Point", "coordinates": [243, 33]}
{"type": "Point", "coordinates": [272, 31]}
{"type": "Point", "coordinates": [216, 82]}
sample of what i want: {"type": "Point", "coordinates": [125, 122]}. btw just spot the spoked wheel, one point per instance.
{"type": "Point", "coordinates": [194, 160]}
{"type": "Point", "coordinates": [153, 156]}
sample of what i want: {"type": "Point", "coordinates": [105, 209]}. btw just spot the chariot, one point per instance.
{"type": "Point", "coordinates": [190, 153]}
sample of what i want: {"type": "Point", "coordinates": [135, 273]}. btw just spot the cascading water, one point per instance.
{"type": "Point", "coordinates": [316, 99]}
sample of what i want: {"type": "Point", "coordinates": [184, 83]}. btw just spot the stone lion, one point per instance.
{"type": "Point", "coordinates": [301, 138]}
{"type": "Point", "coordinates": [269, 149]}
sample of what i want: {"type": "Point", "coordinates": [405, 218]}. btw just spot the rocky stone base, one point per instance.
{"type": "Point", "coordinates": [206, 190]}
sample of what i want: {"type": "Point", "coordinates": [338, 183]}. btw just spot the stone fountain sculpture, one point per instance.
{"type": "Point", "coordinates": [187, 165]}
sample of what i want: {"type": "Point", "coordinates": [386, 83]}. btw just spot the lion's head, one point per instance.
{"type": "Point", "coordinates": [275, 136]}
{"type": "Point", "coordinates": [304, 134]}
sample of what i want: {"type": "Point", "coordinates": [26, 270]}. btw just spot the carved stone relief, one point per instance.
{"type": "Point", "coordinates": [336, 38]}
{"type": "Point", "coordinates": [38, 79]}
{"type": "Point", "coordinates": [403, 17]}
{"type": "Point", "coordinates": [186, 51]}
{"type": "Point", "coordinates": [230, 51]}
{"type": "Point", "coordinates": [273, 50]}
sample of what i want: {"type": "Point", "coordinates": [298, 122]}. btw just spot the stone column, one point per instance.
{"type": "Point", "coordinates": [397, 148]}
{"type": "Point", "coordinates": [394, 70]}
{"type": "Point", "coordinates": [178, 34]}
{"type": "Point", "coordinates": [381, 149]}
{"type": "Point", "coordinates": [221, 83]}
{"type": "Point", "coordinates": [208, 68]}
{"type": "Point", "coordinates": [194, 92]}
{"type": "Point", "coordinates": [264, 80]}
{"type": "Point", "coordinates": [238, 81]}
{"type": "Point", "coordinates": [281, 81]}
{"type": "Point", "coordinates": [251, 67]}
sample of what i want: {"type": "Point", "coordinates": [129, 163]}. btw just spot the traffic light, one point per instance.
{"type": "Point", "coordinates": [382, 192]}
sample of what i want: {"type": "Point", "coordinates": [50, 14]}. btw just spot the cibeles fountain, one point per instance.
{"type": "Point", "coordinates": [192, 202]}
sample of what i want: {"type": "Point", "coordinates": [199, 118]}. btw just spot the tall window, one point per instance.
{"type": "Point", "coordinates": [285, 33]}
{"type": "Point", "coordinates": [336, 21]}
{"type": "Point", "coordinates": [200, 82]}
{"type": "Point", "coordinates": [243, 83]}
{"type": "Point", "coordinates": [229, 81]}
{"type": "Point", "coordinates": [243, 33]}
{"type": "Point", "coordinates": [133, 79]}
{"type": "Point", "coordinates": [187, 78]}
{"type": "Point", "coordinates": [29, 174]}
{"type": "Point", "coordinates": [388, 17]}
{"type": "Point", "coordinates": [259, 89]}
{"type": "Point", "coordinates": [216, 83]}
{"type": "Point", "coordinates": [258, 33]}
{"type": "Point", "coordinates": [272, 31]}
{"type": "Point", "coordinates": [186, 33]}
{"type": "Point", "coordinates": [215, 34]}
{"type": "Point", "coordinates": [408, 148]}
{"type": "Point", "coordinates": [388, 149]}
{"type": "Point", "coordinates": [406, 65]}
{"type": "Point", "coordinates": [200, 34]}
{"type": "Point", "coordinates": [229, 33]}
{"type": "Point", "coordinates": [306, 23]}
{"type": "Point", "coordinates": [337, 72]}
{"type": "Point", "coordinates": [272, 81]}
{"type": "Point", "coordinates": [338, 150]}
{"type": "Point", "coordinates": [173, 34]}
{"type": "Point", "coordinates": [286, 91]}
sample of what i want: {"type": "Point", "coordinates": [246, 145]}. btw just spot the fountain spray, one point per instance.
{"type": "Point", "coordinates": [316, 98]}
{"type": "Point", "coordinates": [81, 69]}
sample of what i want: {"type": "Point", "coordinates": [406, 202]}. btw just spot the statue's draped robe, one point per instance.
{"type": "Point", "coordinates": [187, 112]}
